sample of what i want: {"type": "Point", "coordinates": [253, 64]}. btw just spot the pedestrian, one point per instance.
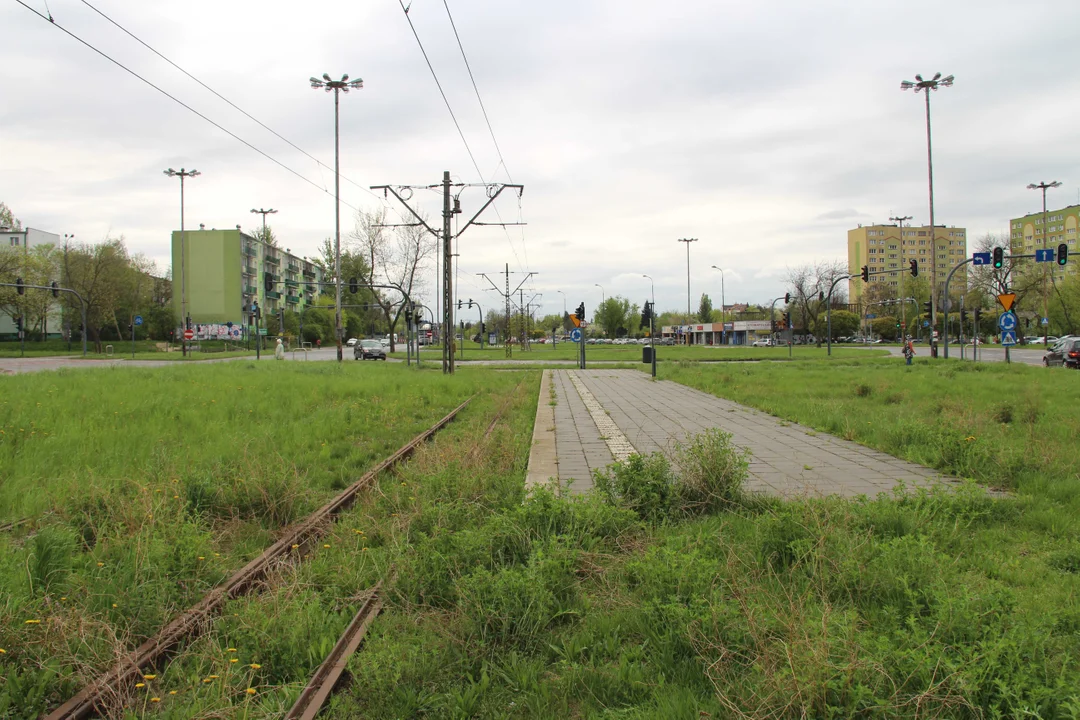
{"type": "Point", "coordinates": [279, 351]}
{"type": "Point", "coordinates": [909, 351]}
{"type": "Point", "coordinates": [318, 343]}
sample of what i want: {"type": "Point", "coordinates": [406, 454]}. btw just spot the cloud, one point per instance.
{"type": "Point", "coordinates": [840, 215]}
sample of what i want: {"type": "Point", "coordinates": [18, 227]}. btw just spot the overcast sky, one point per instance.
{"type": "Point", "coordinates": [764, 129]}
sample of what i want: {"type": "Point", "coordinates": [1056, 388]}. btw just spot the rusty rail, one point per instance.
{"type": "Point", "coordinates": [325, 678]}
{"type": "Point", "coordinates": [192, 620]}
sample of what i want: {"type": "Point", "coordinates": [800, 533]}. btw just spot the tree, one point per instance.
{"type": "Point", "coordinates": [704, 312]}
{"type": "Point", "coordinates": [265, 235]}
{"type": "Point", "coordinates": [885, 327]}
{"type": "Point", "coordinates": [96, 273]}
{"type": "Point", "coordinates": [8, 219]}
{"type": "Point", "coordinates": [808, 284]}
{"type": "Point", "coordinates": [1021, 278]}
{"type": "Point", "coordinates": [613, 315]}
{"type": "Point", "coordinates": [844, 323]}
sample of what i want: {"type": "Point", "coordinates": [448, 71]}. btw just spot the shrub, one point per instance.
{"type": "Point", "coordinates": [711, 471]}
{"type": "Point", "coordinates": [642, 483]}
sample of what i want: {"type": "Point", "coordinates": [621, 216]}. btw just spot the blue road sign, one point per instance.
{"type": "Point", "coordinates": [575, 334]}
{"type": "Point", "coordinates": [138, 319]}
{"type": "Point", "coordinates": [1008, 337]}
{"type": "Point", "coordinates": [980, 258]}
{"type": "Point", "coordinates": [926, 323]}
{"type": "Point", "coordinates": [1044, 255]}
{"type": "Point", "coordinates": [1044, 321]}
{"type": "Point", "coordinates": [870, 316]}
{"type": "Point", "coordinates": [1007, 322]}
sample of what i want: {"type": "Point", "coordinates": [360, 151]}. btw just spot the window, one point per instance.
{"type": "Point", "coordinates": [922, 233]}
{"type": "Point", "coordinates": [14, 240]}
{"type": "Point", "coordinates": [892, 247]}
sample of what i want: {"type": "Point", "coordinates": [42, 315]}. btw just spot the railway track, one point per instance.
{"type": "Point", "coordinates": [196, 619]}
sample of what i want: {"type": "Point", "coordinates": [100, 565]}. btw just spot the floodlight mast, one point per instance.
{"type": "Point", "coordinates": [183, 260]}
{"type": "Point", "coordinates": [337, 86]}
{"type": "Point", "coordinates": [1046, 243]}
{"type": "Point", "coordinates": [925, 86]}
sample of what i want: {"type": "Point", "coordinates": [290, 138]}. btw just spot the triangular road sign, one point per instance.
{"type": "Point", "coordinates": [574, 319]}
{"type": "Point", "coordinates": [1007, 300]}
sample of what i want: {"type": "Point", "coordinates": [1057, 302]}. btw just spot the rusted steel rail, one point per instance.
{"type": "Point", "coordinates": [325, 678]}
{"type": "Point", "coordinates": [193, 620]}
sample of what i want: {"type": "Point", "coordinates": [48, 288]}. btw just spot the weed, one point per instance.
{"type": "Point", "coordinates": [1004, 413]}
{"type": "Point", "coordinates": [641, 483]}
{"type": "Point", "coordinates": [863, 390]}
{"type": "Point", "coordinates": [711, 472]}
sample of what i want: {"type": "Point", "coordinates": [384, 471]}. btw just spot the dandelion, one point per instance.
{"type": "Point", "coordinates": [230, 649]}
{"type": "Point", "coordinates": [172, 692]}
{"type": "Point", "coordinates": [155, 699]}
{"type": "Point", "coordinates": [114, 605]}
{"type": "Point", "coordinates": [250, 691]}
{"type": "Point", "coordinates": [101, 564]}
{"type": "Point", "coordinates": [363, 549]}
{"type": "Point", "coordinates": [32, 622]}
{"type": "Point", "coordinates": [234, 660]}
{"type": "Point", "coordinates": [255, 666]}
{"type": "Point", "coordinates": [404, 484]}
{"type": "Point", "coordinates": [149, 677]}
{"type": "Point", "coordinates": [969, 438]}
{"type": "Point", "coordinates": [140, 685]}
{"type": "Point", "coordinates": [213, 677]}
{"type": "Point", "coordinates": [175, 497]}
{"type": "Point", "coordinates": [326, 546]}
{"type": "Point", "coordinates": [295, 546]}
{"type": "Point", "coordinates": [201, 557]}
{"type": "Point", "coordinates": [207, 680]}
{"type": "Point", "coordinates": [63, 599]}
{"type": "Point", "coordinates": [3, 651]}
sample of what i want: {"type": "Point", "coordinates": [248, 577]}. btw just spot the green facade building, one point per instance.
{"type": "Point", "coordinates": [224, 273]}
{"type": "Point", "coordinates": [1028, 234]}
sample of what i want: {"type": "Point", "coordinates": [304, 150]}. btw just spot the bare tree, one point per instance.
{"type": "Point", "coordinates": [809, 286]}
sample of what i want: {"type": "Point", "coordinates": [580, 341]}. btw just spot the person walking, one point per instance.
{"type": "Point", "coordinates": [279, 351]}
{"type": "Point", "coordinates": [909, 351]}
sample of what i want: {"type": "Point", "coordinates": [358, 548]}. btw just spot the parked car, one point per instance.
{"type": "Point", "coordinates": [1065, 353]}
{"type": "Point", "coordinates": [762, 342]}
{"type": "Point", "coordinates": [372, 349]}
{"type": "Point", "coordinates": [352, 341]}
{"type": "Point", "coordinates": [385, 342]}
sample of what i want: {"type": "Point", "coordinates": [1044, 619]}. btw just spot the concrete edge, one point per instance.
{"type": "Point", "coordinates": [543, 458]}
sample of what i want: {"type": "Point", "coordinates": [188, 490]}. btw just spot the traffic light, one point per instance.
{"type": "Point", "coordinates": [482, 330]}
{"type": "Point", "coordinates": [866, 273]}
{"type": "Point", "coordinates": [999, 258]}
{"type": "Point", "coordinates": [18, 323]}
{"type": "Point", "coordinates": [787, 321]}
{"type": "Point", "coordinates": [787, 298]}
{"type": "Point", "coordinates": [928, 307]}
{"type": "Point", "coordinates": [963, 315]}
{"type": "Point", "coordinates": [978, 314]}
{"type": "Point", "coordinates": [354, 286]}
{"type": "Point", "coordinates": [646, 315]}
{"type": "Point", "coordinates": [1063, 254]}
{"type": "Point", "coordinates": [778, 326]}
{"type": "Point", "coordinates": [580, 312]}
{"type": "Point", "coordinates": [19, 286]}
{"type": "Point", "coordinates": [914, 265]}
{"type": "Point", "coordinates": [268, 282]}
{"type": "Point", "coordinates": [897, 324]}
{"type": "Point", "coordinates": [55, 289]}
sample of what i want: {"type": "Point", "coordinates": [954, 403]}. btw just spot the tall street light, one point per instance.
{"type": "Point", "coordinates": [903, 305]}
{"type": "Point", "coordinates": [337, 86]}
{"type": "Point", "coordinates": [1046, 243]}
{"type": "Point", "coordinates": [264, 213]}
{"type": "Point", "coordinates": [925, 86]}
{"type": "Point", "coordinates": [602, 298]}
{"type": "Point", "coordinates": [563, 302]}
{"type": "Point", "coordinates": [183, 254]}
{"type": "Point", "coordinates": [688, 241]}
{"type": "Point", "coordinates": [723, 316]}
{"type": "Point", "coordinates": [652, 321]}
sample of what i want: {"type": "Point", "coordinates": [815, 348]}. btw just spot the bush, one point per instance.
{"type": "Point", "coordinates": [711, 472]}
{"type": "Point", "coordinates": [642, 483]}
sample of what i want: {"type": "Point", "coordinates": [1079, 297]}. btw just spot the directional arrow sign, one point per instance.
{"type": "Point", "coordinates": [1007, 322]}
{"type": "Point", "coordinates": [575, 335]}
{"type": "Point", "coordinates": [980, 258]}
{"type": "Point", "coordinates": [1045, 255]}
{"type": "Point", "coordinates": [1007, 300]}
{"type": "Point", "coordinates": [1008, 337]}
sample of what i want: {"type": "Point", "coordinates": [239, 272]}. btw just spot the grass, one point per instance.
{"type": "Point", "coordinates": [632, 353]}
{"type": "Point", "coordinates": [144, 350]}
{"type": "Point", "coordinates": [669, 593]}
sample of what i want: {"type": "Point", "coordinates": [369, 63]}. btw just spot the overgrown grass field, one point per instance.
{"type": "Point", "coordinates": [632, 353]}
{"type": "Point", "coordinates": [144, 350]}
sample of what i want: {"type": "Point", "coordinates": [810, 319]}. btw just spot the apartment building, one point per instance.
{"type": "Point", "coordinates": [223, 274]}
{"type": "Point", "coordinates": [882, 247]}
{"type": "Point", "coordinates": [1028, 234]}
{"type": "Point", "coordinates": [23, 239]}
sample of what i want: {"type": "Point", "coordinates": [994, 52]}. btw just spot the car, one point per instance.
{"type": "Point", "coordinates": [369, 349]}
{"type": "Point", "coordinates": [385, 342]}
{"type": "Point", "coordinates": [352, 342]}
{"type": "Point", "coordinates": [1065, 353]}
{"type": "Point", "coordinates": [762, 342]}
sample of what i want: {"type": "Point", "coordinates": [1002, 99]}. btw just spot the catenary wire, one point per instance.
{"type": "Point", "coordinates": [233, 105]}
{"type": "Point", "coordinates": [181, 103]}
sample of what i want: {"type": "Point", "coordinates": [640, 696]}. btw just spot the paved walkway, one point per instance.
{"type": "Point", "coordinates": [630, 412]}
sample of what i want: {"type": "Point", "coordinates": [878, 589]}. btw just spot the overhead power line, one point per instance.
{"type": "Point", "coordinates": [177, 100]}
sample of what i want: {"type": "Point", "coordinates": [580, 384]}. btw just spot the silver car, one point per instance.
{"type": "Point", "coordinates": [369, 349]}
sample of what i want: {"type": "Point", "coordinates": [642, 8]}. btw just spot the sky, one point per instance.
{"type": "Point", "coordinates": [765, 130]}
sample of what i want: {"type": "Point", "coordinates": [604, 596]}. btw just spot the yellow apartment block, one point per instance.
{"type": "Point", "coordinates": [1028, 234]}
{"type": "Point", "coordinates": [881, 247]}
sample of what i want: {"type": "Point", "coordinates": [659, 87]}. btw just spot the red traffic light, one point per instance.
{"type": "Point", "coordinates": [866, 273]}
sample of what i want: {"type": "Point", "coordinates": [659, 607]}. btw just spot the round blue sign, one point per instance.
{"type": "Point", "coordinates": [575, 334]}
{"type": "Point", "coordinates": [138, 319]}
{"type": "Point", "coordinates": [1007, 321]}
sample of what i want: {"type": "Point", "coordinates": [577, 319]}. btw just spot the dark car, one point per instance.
{"type": "Point", "coordinates": [366, 349]}
{"type": "Point", "coordinates": [1065, 353]}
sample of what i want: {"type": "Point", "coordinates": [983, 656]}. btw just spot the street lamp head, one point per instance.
{"type": "Point", "coordinates": [947, 81]}
{"type": "Point", "coordinates": [170, 172]}
{"type": "Point", "coordinates": [906, 85]}
{"type": "Point", "coordinates": [1055, 184]}
{"type": "Point", "coordinates": [919, 78]}
{"type": "Point", "coordinates": [326, 77]}
{"type": "Point", "coordinates": [194, 172]}
{"type": "Point", "coordinates": [1032, 186]}
{"type": "Point", "coordinates": [353, 85]}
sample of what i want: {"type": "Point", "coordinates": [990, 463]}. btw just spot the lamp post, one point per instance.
{"type": "Point", "coordinates": [183, 253]}
{"type": "Point", "coordinates": [65, 320]}
{"type": "Point", "coordinates": [652, 322]}
{"type": "Point", "coordinates": [337, 86]}
{"type": "Point", "coordinates": [1046, 243]}
{"type": "Point", "coordinates": [723, 316]}
{"type": "Point", "coordinates": [264, 213]}
{"type": "Point", "coordinates": [925, 86]}
{"type": "Point", "coordinates": [688, 241]}
{"type": "Point", "coordinates": [563, 301]}
{"type": "Point", "coordinates": [901, 221]}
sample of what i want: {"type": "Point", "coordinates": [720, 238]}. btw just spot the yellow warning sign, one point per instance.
{"type": "Point", "coordinates": [574, 319]}
{"type": "Point", "coordinates": [1007, 300]}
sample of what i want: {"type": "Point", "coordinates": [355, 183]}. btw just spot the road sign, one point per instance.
{"type": "Point", "coordinates": [1044, 321]}
{"type": "Point", "coordinates": [1045, 255]}
{"type": "Point", "coordinates": [1007, 300]}
{"type": "Point", "coordinates": [1007, 322]}
{"type": "Point", "coordinates": [575, 335]}
{"type": "Point", "coordinates": [1008, 337]}
{"type": "Point", "coordinates": [188, 334]}
{"type": "Point", "coordinates": [574, 319]}
{"type": "Point", "coordinates": [138, 319]}
{"type": "Point", "coordinates": [926, 323]}
{"type": "Point", "coordinates": [870, 316]}
{"type": "Point", "coordinates": [980, 258]}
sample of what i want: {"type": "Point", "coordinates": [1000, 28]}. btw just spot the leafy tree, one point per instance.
{"type": "Point", "coordinates": [8, 219]}
{"type": "Point", "coordinates": [613, 315]}
{"type": "Point", "coordinates": [705, 309]}
{"type": "Point", "coordinates": [844, 323]}
{"type": "Point", "coordinates": [885, 327]}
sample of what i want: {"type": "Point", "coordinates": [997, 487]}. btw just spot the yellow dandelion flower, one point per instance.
{"type": "Point", "coordinates": [63, 599]}
{"type": "Point", "coordinates": [3, 651]}
{"type": "Point", "coordinates": [172, 692]}
{"type": "Point", "coordinates": [155, 699]}
{"type": "Point", "coordinates": [234, 660]}
{"type": "Point", "coordinates": [404, 484]}
{"type": "Point", "coordinates": [149, 677]}
{"type": "Point", "coordinates": [201, 557]}
{"type": "Point", "coordinates": [175, 497]}
{"type": "Point", "coordinates": [114, 605]}
{"type": "Point", "coordinates": [250, 691]}
{"type": "Point", "coordinates": [230, 649]}
{"type": "Point", "coordinates": [32, 622]}
{"type": "Point", "coordinates": [213, 677]}
{"type": "Point", "coordinates": [363, 549]}
{"type": "Point", "coordinates": [295, 546]}
{"type": "Point", "coordinates": [326, 546]}
{"type": "Point", "coordinates": [255, 666]}
{"type": "Point", "coordinates": [101, 564]}
{"type": "Point", "coordinates": [217, 554]}
{"type": "Point", "coordinates": [139, 685]}
{"type": "Point", "coordinates": [207, 680]}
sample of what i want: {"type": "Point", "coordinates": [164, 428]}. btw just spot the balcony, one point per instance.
{"type": "Point", "coordinates": [273, 259]}
{"type": "Point", "coordinates": [248, 270]}
{"type": "Point", "coordinates": [273, 295]}
{"type": "Point", "coordinates": [294, 267]}
{"type": "Point", "coordinates": [309, 271]}
{"type": "Point", "coordinates": [292, 299]}
{"type": "Point", "coordinates": [249, 251]}
{"type": "Point", "coordinates": [250, 290]}
{"type": "Point", "coordinates": [292, 283]}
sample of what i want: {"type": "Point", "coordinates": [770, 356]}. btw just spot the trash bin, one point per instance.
{"type": "Point", "coordinates": [646, 354]}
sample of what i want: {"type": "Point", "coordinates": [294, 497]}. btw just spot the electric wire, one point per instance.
{"type": "Point", "coordinates": [182, 103]}
{"type": "Point", "coordinates": [231, 104]}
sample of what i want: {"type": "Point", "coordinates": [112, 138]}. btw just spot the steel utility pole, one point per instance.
{"type": "Point", "coordinates": [903, 308]}
{"type": "Point", "coordinates": [337, 86]}
{"type": "Point", "coordinates": [183, 254]}
{"type": "Point", "coordinates": [447, 237]}
{"type": "Point", "coordinates": [723, 314]}
{"type": "Point", "coordinates": [507, 295]}
{"type": "Point", "coordinates": [925, 86]}
{"type": "Point", "coordinates": [689, 317]}
{"type": "Point", "coordinates": [1046, 243]}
